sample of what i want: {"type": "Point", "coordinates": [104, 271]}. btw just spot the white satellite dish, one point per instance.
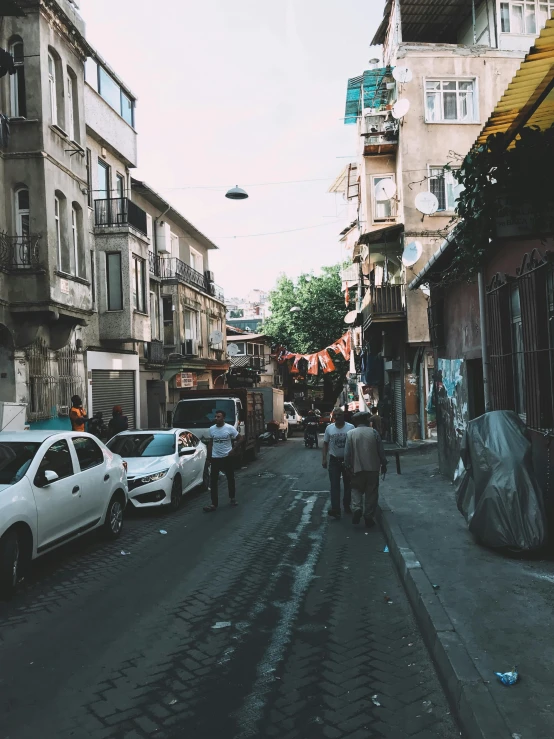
{"type": "Point", "coordinates": [350, 317]}
{"type": "Point", "coordinates": [402, 74]}
{"type": "Point", "coordinates": [232, 350]}
{"type": "Point", "coordinates": [426, 203]}
{"type": "Point", "coordinates": [426, 290]}
{"type": "Point", "coordinates": [400, 108]}
{"type": "Point", "coordinates": [412, 253]}
{"type": "Point", "coordinates": [385, 190]}
{"type": "Point", "coordinates": [216, 337]}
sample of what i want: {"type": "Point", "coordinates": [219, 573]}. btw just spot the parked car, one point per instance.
{"type": "Point", "coordinates": [294, 418]}
{"type": "Point", "coordinates": [54, 487]}
{"type": "Point", "coordinates": [161, 465]}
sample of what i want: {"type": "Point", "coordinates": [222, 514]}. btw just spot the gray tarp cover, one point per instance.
{"type": "Point", "coordinates": [498, 493]}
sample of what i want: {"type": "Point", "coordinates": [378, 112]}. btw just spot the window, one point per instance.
{"type": "Point", "coordinates": [58, 460]}
{"type": "Point", "coordinates": [154, 315]}
{"type": "Point", "coordinates": [77, 240]}
{"type": "Point", "coordinates": [58, 226]}
{"type": "Point", "coordinates": [191, 325]}
{"type": "Point", "coordinates": [120, 185]}
{"type": "Point", "coordinates": [52, 89]}
{"type": "Point", "coordinates": [115, 289]}
{"type": "Point", "coordinates": [215, 325]}
{"type": "Point", "coordinates": [22, 213]}
{"type": "Point", "coordinates": [89, 178]}
{"type": "Point", "coordinates": [187, 441]}
{"type": "Point", "coordinates": [517, 352]}
{"type": "Point", "coordinates": [241, 347]}
{"type": "Point", "coordinates": [449, 101]}
{"type": "Point", "coordinates": [101, 81]}
{"type": "Point", "coordinates": [127, 109]}
{"type": "Point", "coordinates": [174, 239]}
{"type": "Point", "coordinates": [88, 452]}
{"type": "Point", "coordinates": [143, 445]}
{"type": "Point", "coordinates": [72, 107]}
{"type": "Point", "coordinates": [93, 277]}
{"type": "Point", "coordinates": [196, 261]}
{"type": "Point", "coordinates": [522, 16]}
{"type": "Point", "coordinates": [91, 73]}
{"type": "Point", "coordinates": [139, 294]}
{"type": "Point", "coordinates": [445, 187]}
{"type": "Point", "coordinates": [386, 210]}
{"type": "Point", "coordinates": [18, 102]}
{"type": "Point", "coordinates": [103, 180]}
{"type": "Point", "coordinates": [109, 89]}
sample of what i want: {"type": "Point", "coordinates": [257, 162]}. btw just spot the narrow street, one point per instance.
{"type": "Point", "coordinates": [265, 620]}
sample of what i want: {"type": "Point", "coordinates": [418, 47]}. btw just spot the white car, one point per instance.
{"type": "Point", "coordinates": [54, 487]}
{"type": "Point", "coordinates": [161, 465]}
{"type": "Point", "coordinates": [294, 418]}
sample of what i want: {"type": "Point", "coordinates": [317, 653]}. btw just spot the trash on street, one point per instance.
{"type": "Point", "coordinates": [163, 531]}
{"type": "Point", "coordinates": [508, 678]}
{"type": "Point", "coordinates": [386, 550]}
{"type": "Point", "coordinates": [221, 625]}
{"type": "Point", "coordinates": [375, 701]}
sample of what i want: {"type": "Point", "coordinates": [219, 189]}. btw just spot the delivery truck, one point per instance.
{"type": "Point", "coordinates": [274, 409]}
{"type": "Point", "coordinates": [243, 407]}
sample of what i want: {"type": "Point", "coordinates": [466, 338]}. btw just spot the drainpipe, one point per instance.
{"type": "Point", "coordinates": [484, 339]}
{"type": "Point", "coordinates": [474, 22]}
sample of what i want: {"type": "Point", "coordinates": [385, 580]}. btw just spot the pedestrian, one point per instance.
{"type": "Point", "coordinates": [77, 414]}
{"type": "Point", "coordinates": [223, 440]}
{"type": "Point", "coordinates": [364, 455]}
{"type": "Point", "coordinates": [118, 422]}
{"type": "Point", "coordinates": [376, 421]}
{"type": "Point", "coordinates": [334, 443]}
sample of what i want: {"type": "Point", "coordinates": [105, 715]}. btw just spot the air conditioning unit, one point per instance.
{"type": "Point", "coordinates": [190, 348]}
{"type": "Point", "coordinates": [209, 275]}
{"type": "Point", "coordinates": [163, 238]}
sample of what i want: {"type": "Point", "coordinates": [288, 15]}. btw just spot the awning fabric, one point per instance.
{"type": "Point", "coordinates": [375, 92]}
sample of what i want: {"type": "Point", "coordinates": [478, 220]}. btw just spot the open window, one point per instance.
{"type": "Point", "coordinates": [56, 89]}
{"type": "Point", "coordinates": [18, 102]}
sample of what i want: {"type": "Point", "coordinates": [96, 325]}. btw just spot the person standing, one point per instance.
{"type": "Point", "coordinates": [334, 443]}
{"type": "Point", "coordinates": [77, 414]}
{"type": "Point", "coordinates": [223, 438]}
{"type": "Point", "coordinates": [118, 422]}
{"type": "Point", "coordinates": [364, 455]}
{"type": "Point", "coordinates": [376, 421]}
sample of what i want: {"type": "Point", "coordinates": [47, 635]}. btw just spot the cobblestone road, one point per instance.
{"type": "Point", "coordinates": [269, 620]}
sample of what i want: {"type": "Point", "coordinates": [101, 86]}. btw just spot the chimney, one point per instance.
{"type": "Point", "coordinates": [373, 63]}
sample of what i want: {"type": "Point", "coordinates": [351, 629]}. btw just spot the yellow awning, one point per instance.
{"type": "Point", "coordinates": [529, 98]}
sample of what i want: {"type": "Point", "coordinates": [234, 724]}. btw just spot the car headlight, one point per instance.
{"type": "Point", "coordinates": [154, 477]}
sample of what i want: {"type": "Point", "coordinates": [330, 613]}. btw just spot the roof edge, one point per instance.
{"type": "Point", "coordinates": [420, 278]}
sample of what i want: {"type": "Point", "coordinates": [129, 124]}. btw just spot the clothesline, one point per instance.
{"type": "Point", "coordinates": [341, 346]}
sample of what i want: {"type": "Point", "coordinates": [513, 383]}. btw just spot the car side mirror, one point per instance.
{"type": "Point", "coordinates": [45, 478]}
{"type": "Point", "coordinates": [186, 451]}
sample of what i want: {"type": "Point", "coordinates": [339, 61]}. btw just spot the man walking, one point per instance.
{"type": "Point", "coordinates": [223, 438]}
{"type": "Point", "coordinates": [334, 443]}
{"type": "Point", "coordinates": [77, 414]}
{"type": "Point", "coordinates": [364, 455]}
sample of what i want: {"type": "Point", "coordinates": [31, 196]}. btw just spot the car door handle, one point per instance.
{"type": "Point", "coordinates": [106, 478]}
{"type": "Point", "coordinates": [75, 489]}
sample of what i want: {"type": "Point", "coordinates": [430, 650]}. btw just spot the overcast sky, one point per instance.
{"type": "Point", "coordinates": [243, 93]}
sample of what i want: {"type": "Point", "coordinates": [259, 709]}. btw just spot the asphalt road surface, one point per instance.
{"type": "Point", "coordinates": [265, 620]}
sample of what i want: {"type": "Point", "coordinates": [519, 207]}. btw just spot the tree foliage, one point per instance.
{"type": "Point", "coordinates": [320, 320]}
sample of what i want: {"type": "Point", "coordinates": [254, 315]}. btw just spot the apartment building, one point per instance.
{"type": "Point", "coordinates": [421, 108]}
{"type": "Point", "coordinates": [105, 289]}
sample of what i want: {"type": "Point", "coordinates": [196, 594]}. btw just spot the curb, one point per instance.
{"type": "Point", "coordinates": [474, 706]}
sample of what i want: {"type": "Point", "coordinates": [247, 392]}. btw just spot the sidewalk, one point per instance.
{"type": "Point", "coordinates": [488, 613]}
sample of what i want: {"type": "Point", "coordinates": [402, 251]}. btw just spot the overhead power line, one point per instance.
{"type": "Point", "coordinates": [275, 233]}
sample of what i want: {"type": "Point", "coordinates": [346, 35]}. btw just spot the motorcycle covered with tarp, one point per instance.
{"type": "Point", "coordinates": [498, 493]}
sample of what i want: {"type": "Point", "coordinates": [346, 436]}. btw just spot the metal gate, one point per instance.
{"type": "Point", "coordinates": [397, 409]}
{"type": "Point", "coordinates": [114, 387]}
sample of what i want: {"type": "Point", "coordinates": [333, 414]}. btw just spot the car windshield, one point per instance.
{"type": "Point", "coordinates": [290, 408]}
{"type": "Point", "coordinates": [201, 413]}
{"type": "Point", "coordinates": [143, 445]}
{"type": "Point", "coordinates": [15, 458]}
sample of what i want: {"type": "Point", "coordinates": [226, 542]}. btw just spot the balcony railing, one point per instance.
{"type": "Point", "coordinates": [171, 268]}
{"type": "Point", "coordinates": [384, 303]}
{"type": "Point", "coordinates": [154, 352]}
{"type": "Point", "coordinates": [18, 253]}
{"type": "Point", "coordinates": [154, 263]}
{"type": "Point", "coordinates": [119, 212]}
{"type": "Point", "coordinates": [250, 362]}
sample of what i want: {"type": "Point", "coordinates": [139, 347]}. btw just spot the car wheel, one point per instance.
{"type": "Point", "coordinates": [113, 525]}
{"type": "Point", "coordinates": [176, 494]}
{"type": "Point", "coordinates": [10, 559]}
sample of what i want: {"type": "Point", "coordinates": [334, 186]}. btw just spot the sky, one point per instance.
{"type": "Point", "coordinates": [243, 94]}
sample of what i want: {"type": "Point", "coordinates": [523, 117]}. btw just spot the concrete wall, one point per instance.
{"type": "Point", "coordinates": [109, 127]}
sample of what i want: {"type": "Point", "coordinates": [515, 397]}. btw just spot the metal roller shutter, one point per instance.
{"type": "Point", "coordinates": [398, 410]}
{"type": "Point", "coordinates": [114, 387]}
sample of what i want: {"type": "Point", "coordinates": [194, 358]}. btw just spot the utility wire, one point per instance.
{"type": "Point", "coordinates": [274, 233]}
{"type": "Point", "coordinates": [252, 184]}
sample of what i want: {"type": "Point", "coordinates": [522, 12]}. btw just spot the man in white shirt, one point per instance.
{"type": "Point", "coordinates": [223, 437]}
{"type": "Point", "coordinates": [364, 456]}
{"type": "Point", "coordinates": [334, 443]}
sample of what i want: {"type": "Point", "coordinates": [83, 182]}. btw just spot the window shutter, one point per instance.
{"type": "Point", "coordinates": [500, 344]}
{"type": "Point", "coordinates": [532, 281]}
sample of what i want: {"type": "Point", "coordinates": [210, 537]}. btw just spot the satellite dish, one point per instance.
{"type": "Point", "coordinates": [385, 190]}
{"type": "Point", "coordinates": [216, 337]}
{"type": "Point", "coordinates": [232, 350]}
{"type": "Point", "coordinates": [412, 253]}
{"type": "Point", "coordinates": [351, 317]}
{"type": "Point", "coordinates": [425, 289]}
{"type": "Point", "coordinates": [426, 203]}
{"type": "Point", "coordinates": [402, 74]}
{"type": "Point", "coordinates": [400, 108]}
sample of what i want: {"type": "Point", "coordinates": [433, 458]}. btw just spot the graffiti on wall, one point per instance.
{"type": "Point", "coordinates": [452, 403]}
{"type": "Point", "coordinates": [451, 374]}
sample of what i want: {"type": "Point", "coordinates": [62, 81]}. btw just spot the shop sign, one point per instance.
{"type": "Point", "coordinates": [185, 380]}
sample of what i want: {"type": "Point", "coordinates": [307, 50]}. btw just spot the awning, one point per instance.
{"type": "Point", "coordinates": [422, 277]}
{"type": "Point", "coordinates": [383, 236]}
{"type": "Point", "coordinates": [529, 99]}
{"type": "Point", "coordinates": [375, 93]}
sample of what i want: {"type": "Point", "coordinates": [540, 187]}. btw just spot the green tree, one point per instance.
{"type": "Point", "coordinates": [318, 323]}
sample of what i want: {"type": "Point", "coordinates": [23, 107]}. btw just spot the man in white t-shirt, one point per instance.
{"type": "Point", "coordinates": [223, 437]}
{"type": "Point", "coordinates": [334, 443]}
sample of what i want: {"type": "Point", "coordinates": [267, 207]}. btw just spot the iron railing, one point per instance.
{"type": "Point", "coordinates": [119, 212]}
{"type": "Point", "coordinates": [384, 302]}
{"type": "Point", "coordinates": [250, 362]}
{"type": "Point", "coordinates": [155, 352]}
{"type": "Point", "coordinates": [19, 252]}
{"type": "Point", "coordinates": [154, 261]}
{"type": "Point", "coordinates": [171, 268]}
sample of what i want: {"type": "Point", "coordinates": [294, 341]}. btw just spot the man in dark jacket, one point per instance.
{"type": "Point", "coordinates": [118, 422]}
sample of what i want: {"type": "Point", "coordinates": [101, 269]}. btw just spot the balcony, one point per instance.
{"type": "Point", "coordinates": [154, 261]}
{"type": "Point", "coordinates": [171, 268]}
{"type": "Point", "coordinates": [19, 253]}
{"type": "Point", "coordinates": [119, 212]}
{"type": "Point", "coordinates": [154, 352]}
{"type": "Point", "coordinates": [380, 135]}
{"type": "Point", "coordinates": [250, 362]}
{"type": "Point", "coordinates": [384, 303]}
